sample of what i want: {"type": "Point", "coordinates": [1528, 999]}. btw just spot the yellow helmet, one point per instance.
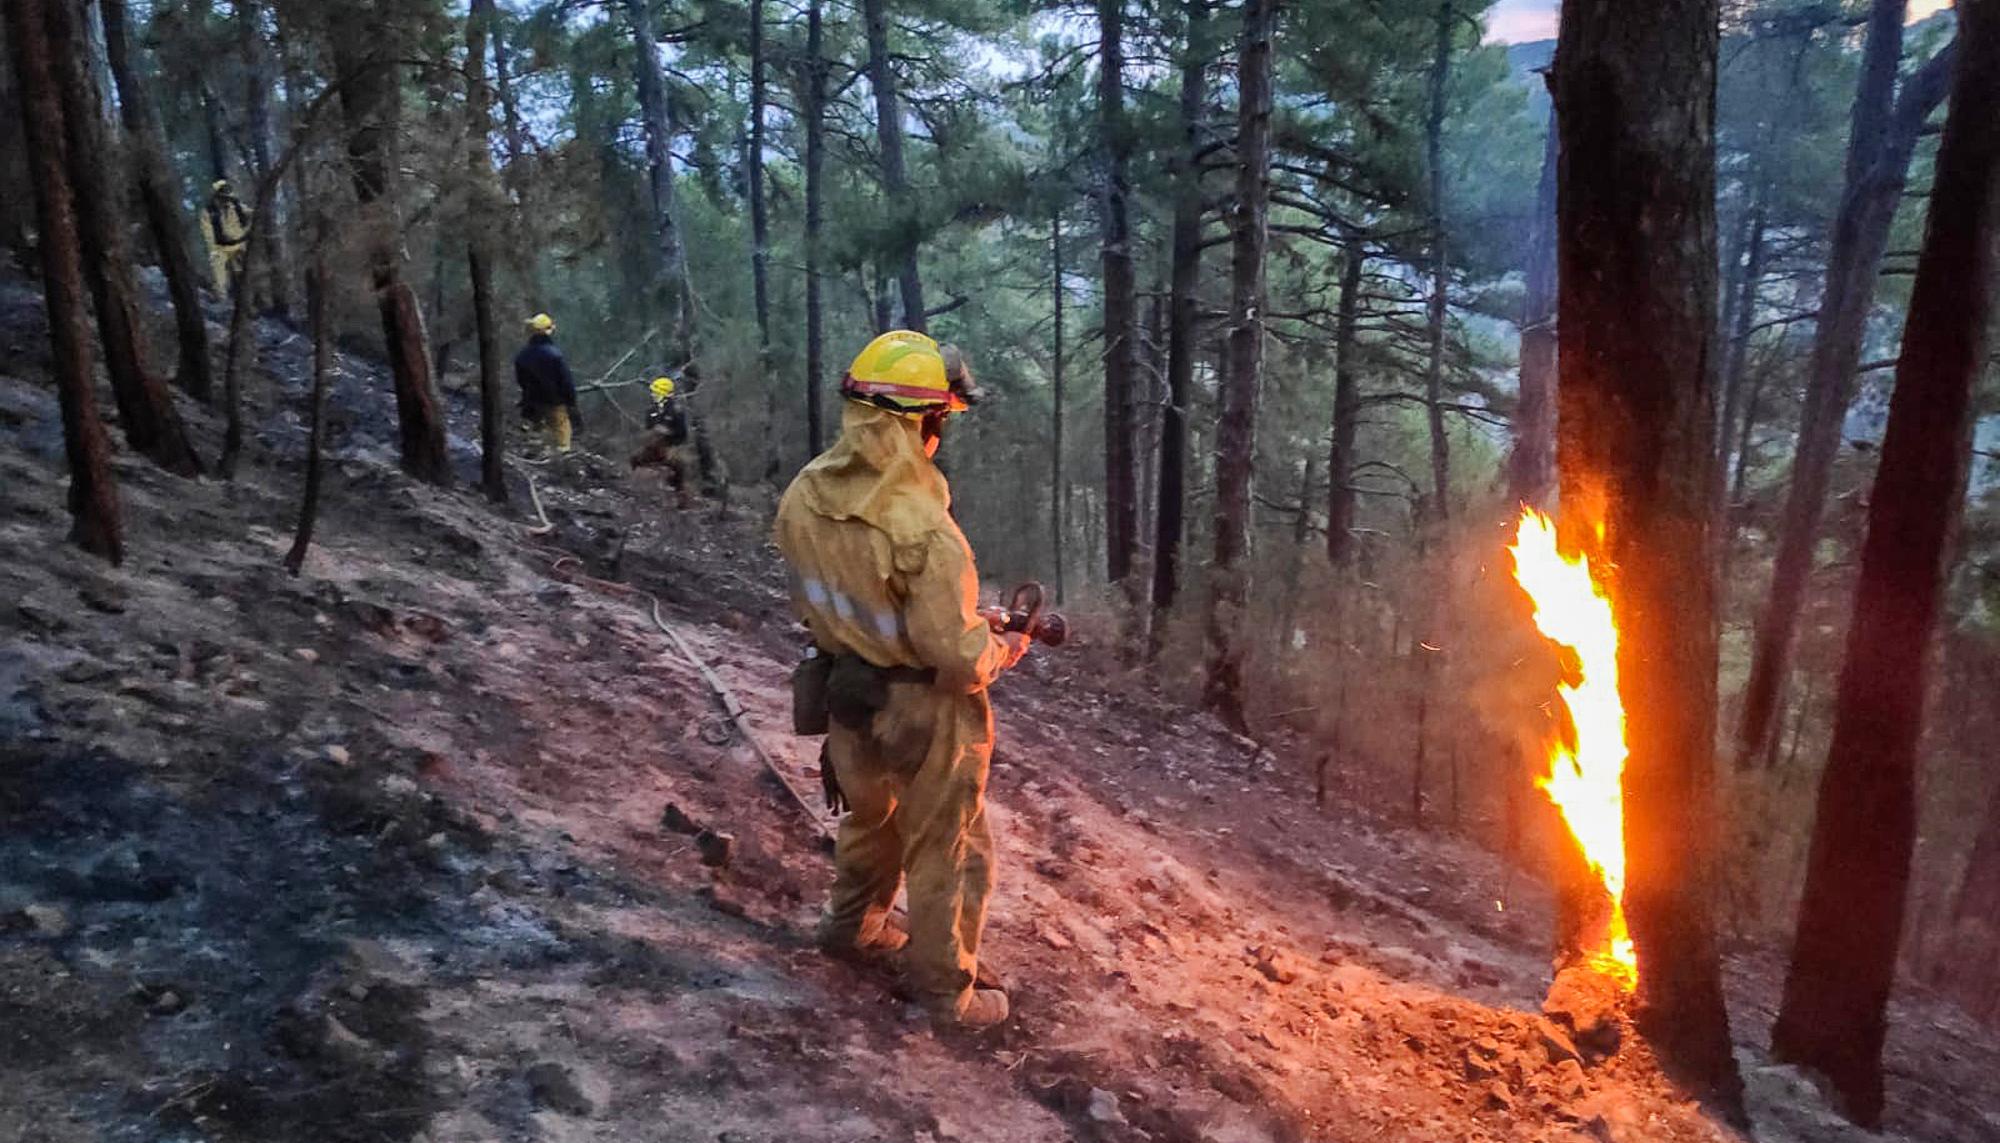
{"type": "Point", "coordinates": [541, 323]}
{"type": "Point", "coordinates": [906, 372]}
{"type": "Point", "coordinates": [220, 186]}
{"type": "Point", "coordinates": [663, 387]}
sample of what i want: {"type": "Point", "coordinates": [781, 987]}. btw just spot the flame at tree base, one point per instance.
{"type": "Point", "coordinates": [1586, 767]}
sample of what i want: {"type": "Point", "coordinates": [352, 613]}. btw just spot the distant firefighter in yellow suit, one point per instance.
{"type": "Point", "coordinates": [885, 581]}
{"type": "Point", "coordinates": [225, 227]}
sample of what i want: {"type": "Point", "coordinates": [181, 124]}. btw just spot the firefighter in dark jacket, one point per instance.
{"type": "Point", "coordinates": [548, 393]}
{"type": "Point", "coordinates": [666, 445]}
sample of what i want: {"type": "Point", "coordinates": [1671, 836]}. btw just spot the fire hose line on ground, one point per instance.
{"type": "Point", "coordinates": [733, 710]}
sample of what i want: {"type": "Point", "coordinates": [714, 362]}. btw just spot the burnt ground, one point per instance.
{"type": "Point", "coordinates": [377, 854]}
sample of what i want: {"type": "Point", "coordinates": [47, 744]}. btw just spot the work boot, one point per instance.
{"type": "Point", "coordinates": [876, 947]}
{"type": "Point", "coordinates": [973, 1010]}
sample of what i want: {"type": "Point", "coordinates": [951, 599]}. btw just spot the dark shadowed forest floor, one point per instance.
{"type": "Point", "coordinates": [377, 853]}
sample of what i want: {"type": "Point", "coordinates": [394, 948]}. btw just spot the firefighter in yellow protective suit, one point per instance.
{"type": "Point", "coordinates": [885, 581]}
{"type": "Point", "coordinates": [225, 227]}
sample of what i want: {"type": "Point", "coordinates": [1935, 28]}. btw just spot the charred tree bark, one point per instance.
{"type": "Point", "coordinates": [1121, 302]}
{"type": "Point", "coordinates": [1531, 469]}
{"type": "Point", "coordinates": [485, 212]}
{"type": "Point", "coordinates": [1436, 312]}
{"type": "Point", "coordinates": [1236, 427]}
{"type": "Point", "coordinates": [1884, 135]}
{"type": "Point", "coordinates": [760, 247]}
{"type": "Point", "coordinates": [145, 407]}
{"type": "Point", "coordinates": [93, 491]}
{"type": "Point", "coordinates": [895, 173]}
{"type": "Point", "coordinates": [1834, 1016]}
{"type": "Point", "coordinates": [1635, 106]}
{"type": "Point", "coordinates": [318, 282]}
{"type": "Point", "coordinates": [1183, 320]}
{"type": "Point", "coordinates": [1346, 404]}
{"type": "Point", "coordinates": [815, 131]}
{"type": "Point", "coordinates": [159, 193]}
{"type": "Point", "coordinates": [371, 102]}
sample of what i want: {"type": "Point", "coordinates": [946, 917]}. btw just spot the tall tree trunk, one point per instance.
{"type": "Point", "coordinates": [678, 292]}
{"type": "Point", "coordinates": [258, 82]}
{"type": "Point", "coordinates": [159, 193]}
{"type": "Point", "coordinates": [217, 133]}
{"type": "Point", "coordinates": [1346, 404]}
{"type": "Point", "coordinates": [815, 129]}
{"type": "Point", "coordinates": [660, 177]}
{"type": "Point", "coordinates": [145, 407]}
{"type": "Point", "coordinates": [371, 101]}
{"type": "Point", "coordinates": [895, 174]}
{"type": "Point", "coordinates": [1236, 427]}
{"type": "Point", "coordinates": [93, 490]}
{"type": "Point", "coordinates": [319, 281]}
{"type": "Point", "coordinates": [1635, 106]}
{"type": "Point", "coordinates": [760, 248]}
{"type": "Point", "coordinates": [1531, 470]}
{"type": "Point", "coordinates": [1121, 303]}
{"type": "Point", "coordinates": [1974, 949]}
{"type": "Point", "coordinates": [1742, 316]}
{"type": "Point", "coordinates": [1436, 312]}
{"type": "Point", "coordinates": [485, 214]}
{"type": "Point", "coordinates": [1058, 483]}
{"type": "Point", "coordinates": [523, 241]}
{"type": "Point", "coordinates": [1883, 137]}
{"type": "Point", "coordinates": [1834, 1017]}
{"type": "Point", "coordinates": [1183, 319]}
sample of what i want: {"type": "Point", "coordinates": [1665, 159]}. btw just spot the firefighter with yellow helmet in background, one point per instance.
{"type": "Point", "coordinates": [225, 228]}
{"type": "Point", "coordinates": [548, 392]}
{"type": "Point", "coordinates": [666, 444]}
{"type": "Point", "coordinates": [902, 656]}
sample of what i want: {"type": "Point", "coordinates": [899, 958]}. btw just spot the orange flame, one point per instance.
{"type": "Point", "coordinates": [1585, 778]}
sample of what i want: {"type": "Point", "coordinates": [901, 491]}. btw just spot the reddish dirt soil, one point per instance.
{"type": "Point", "coordinates": [377, 853]}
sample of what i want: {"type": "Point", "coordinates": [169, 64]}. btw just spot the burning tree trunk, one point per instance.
{"type": "Point", "coordinates": [1121, 304]}
{"type": "Point", "coordinates": [93, 492]}
{"type": "Point", "coordinates": [145, 407]}
{"type": "Point", "coordinates": [1834, 1016]}
{"type": "Point", "coordinates": [1236, 427]}
{"type": "Point", "coordinates": [1883, 137]}
{"type": "Point", "coordinates": [1531, 470]}
{"type": "Point", "coordinates": [484, 217]}
{"type": "Point", "coordinates": [1184, 315]}
{"type": "Point", "coordinates": [371, 101]}
{"type": "Point", "coordinates": [159, 193]}
{"type": "Point", "coordinates": [1635, 106]}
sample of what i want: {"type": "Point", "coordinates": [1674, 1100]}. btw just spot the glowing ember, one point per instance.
{"type": "Point", "coordinates": [1584, 779]}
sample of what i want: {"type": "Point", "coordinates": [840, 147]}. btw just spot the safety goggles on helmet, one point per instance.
{"type": "Point", "coordinates": [906, 372]}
